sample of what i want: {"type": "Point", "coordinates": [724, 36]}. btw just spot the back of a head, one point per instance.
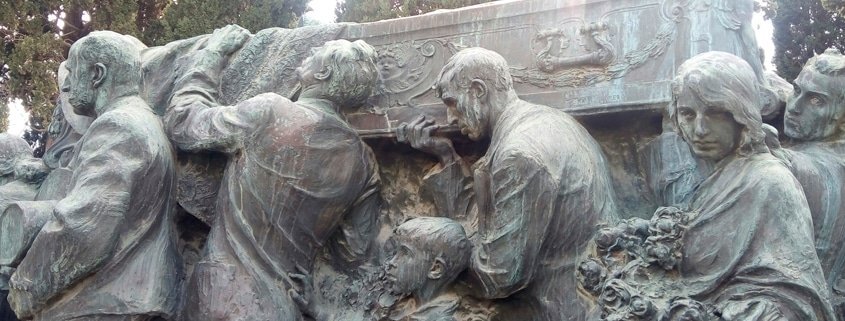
{"type": "Point", "coordinates": [354, 71]}
{"type": "Point", "coordinates": [121, 54]}
{"type": "Point", "coordinates": [477, 63]}
{"type": "Point", "coordinates": [12, 148]}
{"type": "Point", "coordinates": [439, 236]}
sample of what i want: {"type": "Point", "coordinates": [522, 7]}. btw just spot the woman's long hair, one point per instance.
{"type": "Point", "coordinates": [725, 81]}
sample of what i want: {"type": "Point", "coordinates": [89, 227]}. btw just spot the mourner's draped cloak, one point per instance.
{"type": "Point", "coordinates": [820, 168]}
{"type": "Point", "coordinates": [298, 178]}
{"type": "Point", "coordinates": [750, 249]}
{"type": "Point", "coordinates": [536, 197]}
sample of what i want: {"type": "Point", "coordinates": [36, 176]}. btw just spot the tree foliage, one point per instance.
{"type": "Point", "coordinates": [374, 10]}
{"type": "Point", "coordinates": [836, 6]}
{"type": "Point", "coordinates": [189, 18]}
{"type": "Point", "coordinates": [37, 35]}
{"type": "Point", "coordinates": [803, 28]}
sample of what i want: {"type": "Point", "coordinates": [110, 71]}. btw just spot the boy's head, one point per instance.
{"type": "Point", "coordinates": [427, 249]}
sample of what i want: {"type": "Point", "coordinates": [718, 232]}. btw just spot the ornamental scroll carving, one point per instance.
{"type": "Point", "coordinates": [596, 33]}
{"type": "Point", "coordinates": [408, 70]}
{"type": "Point", "coordinates": [569, 53]}
{"type": "Point", "coordinates": [602, 60]}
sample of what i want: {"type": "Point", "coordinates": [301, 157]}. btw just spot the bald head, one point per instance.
{"type": "Point", "coordinates": [101, 66]}
{"type": "Point", "coordinates": [117, 52]}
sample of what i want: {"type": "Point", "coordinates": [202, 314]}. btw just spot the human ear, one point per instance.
{"type": "Point", "coordinates": [478, 88]}
{"type": "Point", "coordinates": [100, 72]}
{"type": "Point", "coordinates": [324, 74]}
{"type": "Point", "coordinates": [437, 269]}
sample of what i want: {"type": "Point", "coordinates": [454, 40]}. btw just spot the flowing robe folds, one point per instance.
{"type": "Point", "coordinates": [750, 250]}
{"type": "Point", "coordinates": [298, 178]}
{"type": "Point", "coordinates": [820, 167]}
{"type": "Point", "coordinates": [109, 248]}
{"type": "Point", "coordinates": [538, 194]}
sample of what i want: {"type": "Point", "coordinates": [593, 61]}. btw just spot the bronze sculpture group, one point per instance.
{"type": "Point", "coordinates": [530, 231]}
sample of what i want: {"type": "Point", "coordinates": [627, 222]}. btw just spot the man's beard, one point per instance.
{"type": "Point", "coordinates": [472, 123]}
{"type": "Point", "coordinates": [82, 102]}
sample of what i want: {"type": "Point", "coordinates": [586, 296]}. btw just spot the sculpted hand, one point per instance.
{"type": "Point", "coordinates": [228, 39]}
{"type": "Point", "coordinates": [417, 133]}
{"type": "Point", "coordinates": [302, 293]}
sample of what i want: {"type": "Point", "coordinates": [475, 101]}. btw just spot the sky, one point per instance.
{"type": "Point", "coordinates": [323, 11]}
{"type": "Point", "coordinates": [17, 118]}
{"type": "Point", "coordinates": [765, 33]}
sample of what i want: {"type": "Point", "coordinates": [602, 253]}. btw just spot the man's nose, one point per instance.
{"type": "Point", "coordinates": [792, 108]}
{"type": "Point", "coordinates": [65, 86]}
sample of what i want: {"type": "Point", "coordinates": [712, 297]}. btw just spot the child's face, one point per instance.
{"type": "Point", "coordinates": [407, 268]}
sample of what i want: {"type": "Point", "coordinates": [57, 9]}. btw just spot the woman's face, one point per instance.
{"type": "Point", "coordinates": [711, 131]}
